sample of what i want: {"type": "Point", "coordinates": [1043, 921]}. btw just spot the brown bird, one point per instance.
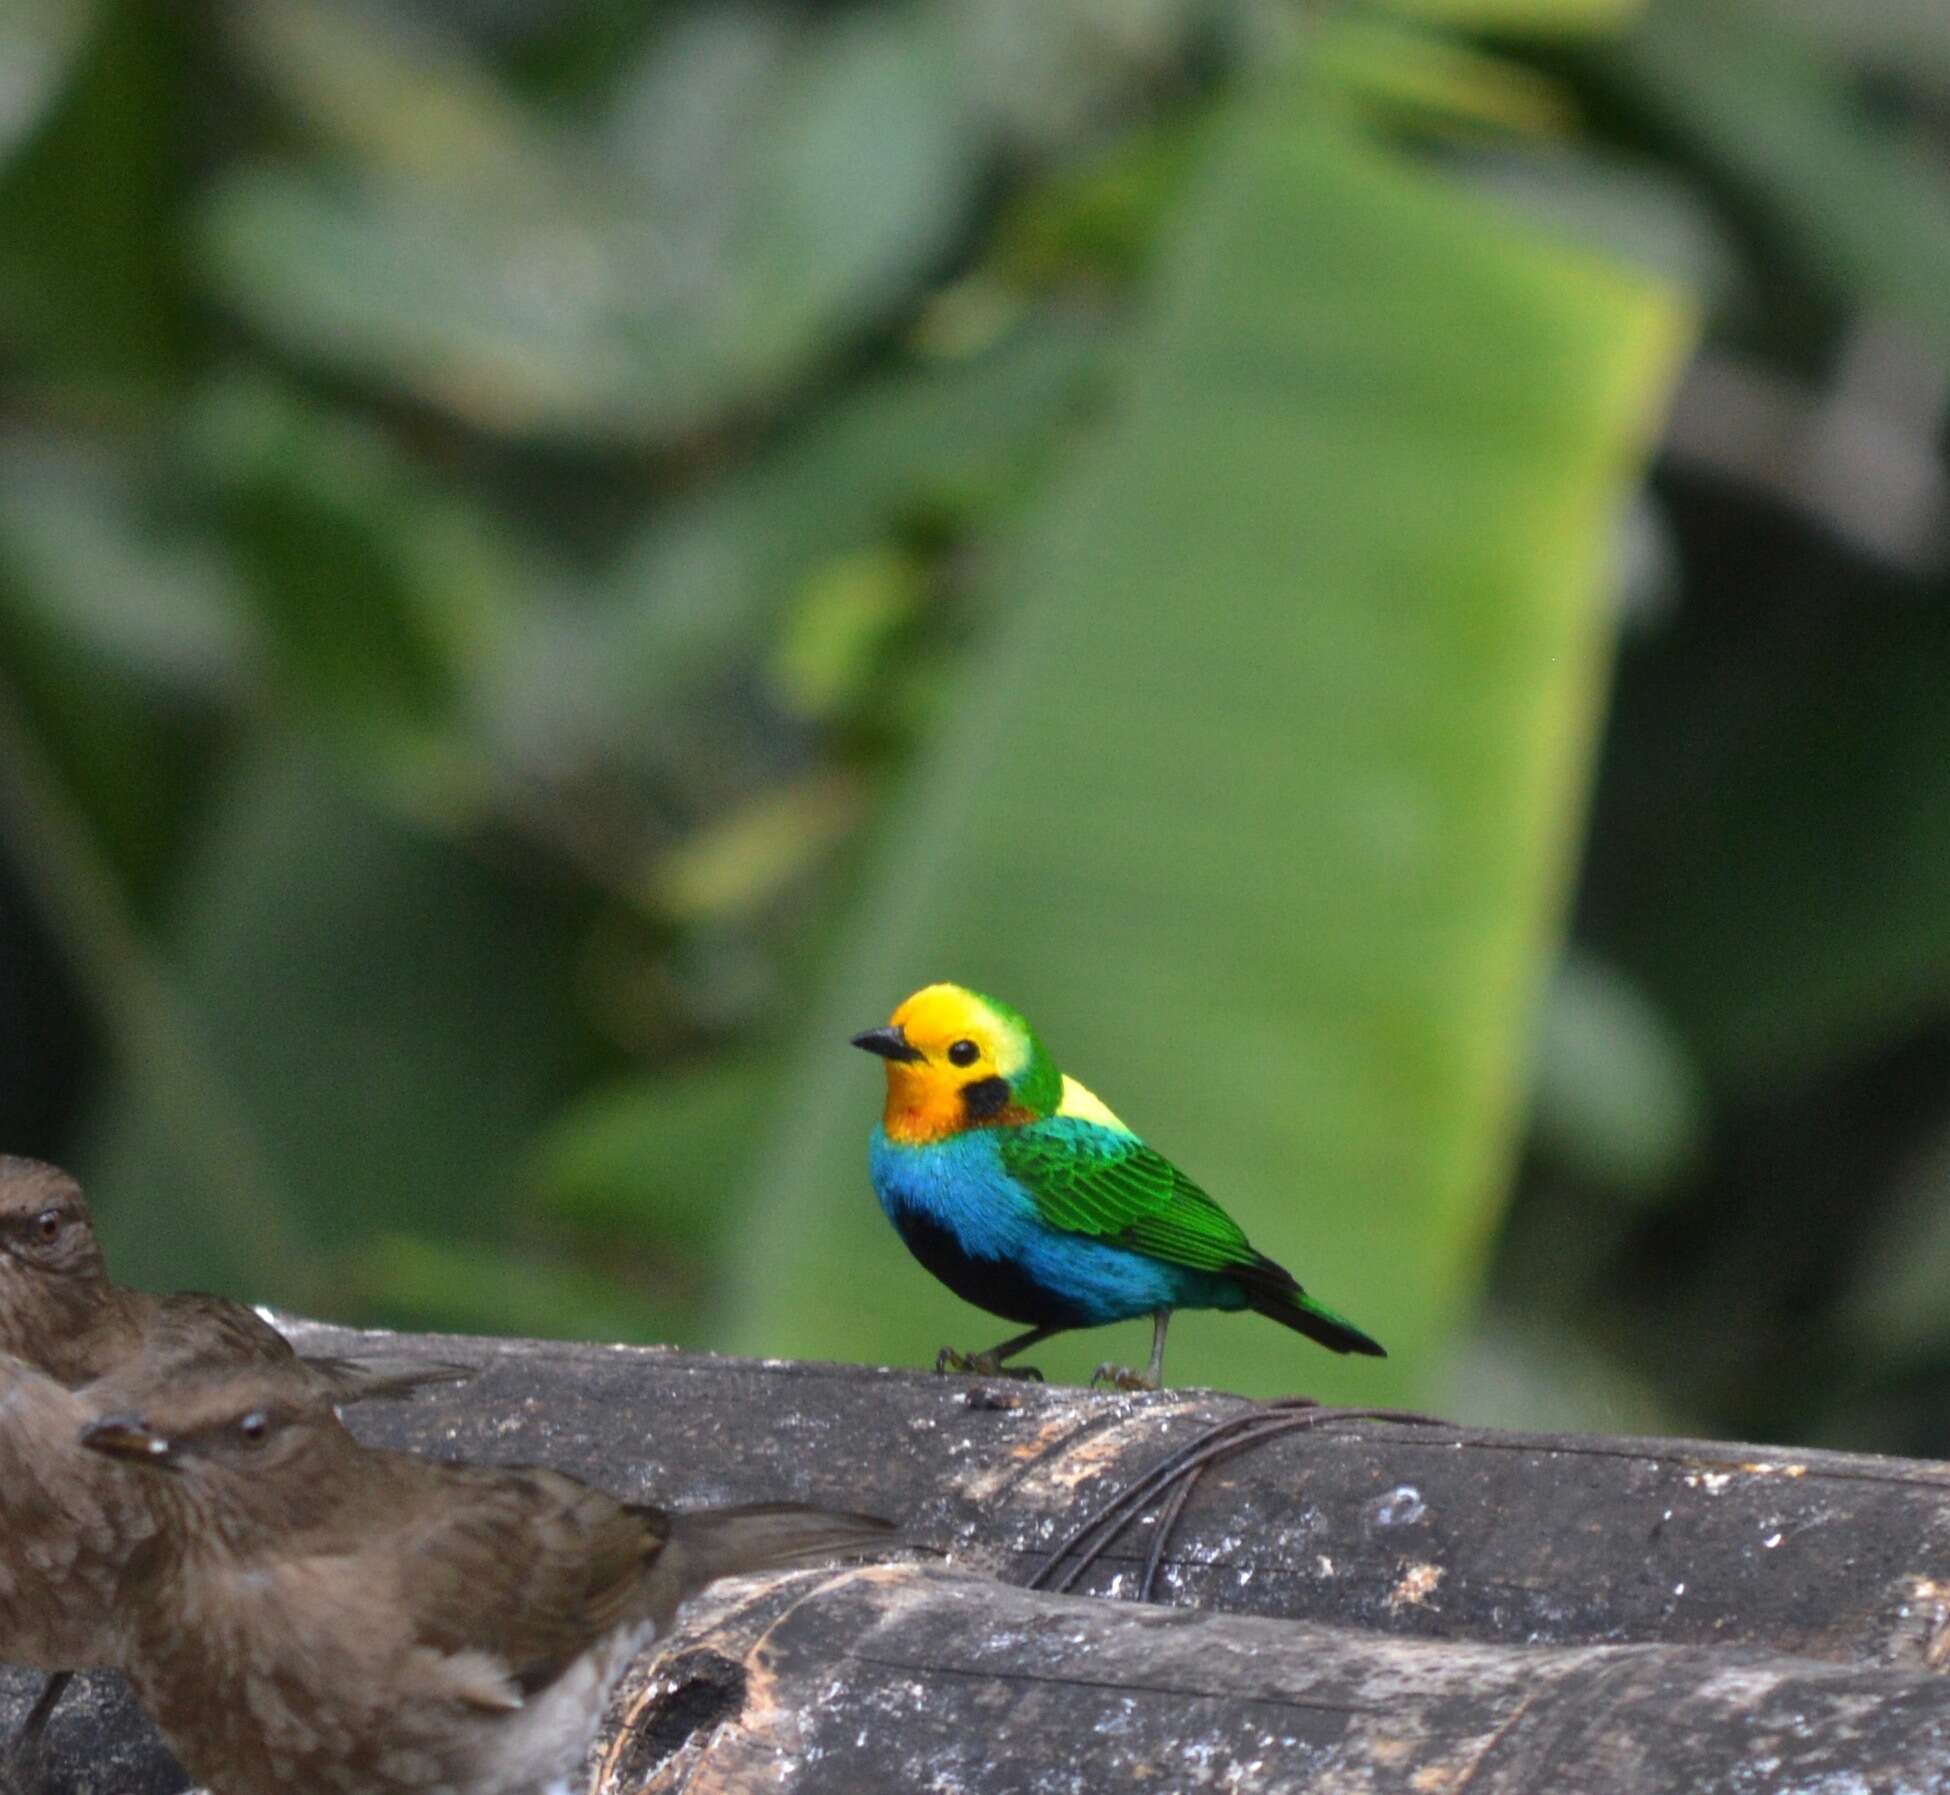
{"type": "Point", "coordinates": [60, 1310]}
{"type": "Point", "coordinates": [69, 1525]}
{"type": "Point", "coordinates": [62, 1316]}
{"type": "Point", "coordinates": [322, 1615]}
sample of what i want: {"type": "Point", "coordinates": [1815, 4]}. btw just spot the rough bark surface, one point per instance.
{"type": "Point", "coordinates": [1473, 1566]}
{"type": "Point", "coordinates": [886, 1679]}
{"type": "Point", "coordinates": [1445, 1532]}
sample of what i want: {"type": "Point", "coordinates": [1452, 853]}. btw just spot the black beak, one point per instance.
{"type": "Point", "coordinates": [126, 1436]}
{"type": "Point", "coordinates": [889, 1043]}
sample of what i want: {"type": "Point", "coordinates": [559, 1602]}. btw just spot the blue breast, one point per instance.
{"type": "Point", "coordinates": [979, 1232]}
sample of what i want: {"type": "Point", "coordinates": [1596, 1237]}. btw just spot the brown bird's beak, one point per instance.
{"type": "Point", "coordinates": [890, 1043]}
{"type": "Point", "coordinates": [129, 1437]}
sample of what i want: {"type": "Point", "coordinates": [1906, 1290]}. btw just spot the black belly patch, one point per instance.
{"type": "Point", "coordinates": [996, 1285]}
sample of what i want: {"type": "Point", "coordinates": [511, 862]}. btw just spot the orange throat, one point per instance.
{"type": "Point", "coordinates": [915, 1118]}
{"type": "Point", "coordinates": [922, 1110]}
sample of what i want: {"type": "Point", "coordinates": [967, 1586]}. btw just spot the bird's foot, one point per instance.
{"type": "Point", "coordinates": [1121, 1377]}
{"type": "Point", "coordinates": [983, 1364]}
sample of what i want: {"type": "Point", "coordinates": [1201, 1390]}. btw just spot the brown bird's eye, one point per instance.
{"type": "Point", "coordinates": [964, 1053]}
{"type": "Point", "coordinates": [47, 1225]}
{"type": "Point", "coordinates": [255, 1428]}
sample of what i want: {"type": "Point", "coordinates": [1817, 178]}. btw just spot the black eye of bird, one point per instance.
{"type": "Point", "coordinates": [48, 1224]}
{"type": "Point", "coordinates": [964, 1053]}
{"type": "Point", "coordinates": [254, 1428]}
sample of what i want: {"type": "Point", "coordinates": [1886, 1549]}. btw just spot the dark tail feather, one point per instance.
{"type": "Point", "coordinates": [1305, 1316]}
{"type": "Point", "coordinates": [1272, 1292]}
{"type": "Point", "coordinates": [765, 1536]}
{"type": "Point", "coordinates": [708, 1543]}
{"type": "Point", "coordinates": [382, 1377]}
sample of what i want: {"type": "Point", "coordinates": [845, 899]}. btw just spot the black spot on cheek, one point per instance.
{"type": "Point", "coordinates": [985, 1098]}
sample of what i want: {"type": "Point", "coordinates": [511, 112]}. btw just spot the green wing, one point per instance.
{"type": "Point", "coordinates": [1088, 1179]}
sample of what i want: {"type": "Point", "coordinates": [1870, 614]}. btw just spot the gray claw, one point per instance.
{"type": "Point", "coordinates": [982, 1364]}
{"type": "Point", "coordinates": [1121, 1377]}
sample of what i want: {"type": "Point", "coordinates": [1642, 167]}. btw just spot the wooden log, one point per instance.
{"type": "Point", "coordinates": [895, 1678]}
{"type": "Point", "coordinates": [885, 1679]}
{"type": "Point", "coordinates": [100, 1743]}
{"type": "Point", "coordinates": [1353, 1538]}
{"type": "Point", "coordinates": [1451, 1532]}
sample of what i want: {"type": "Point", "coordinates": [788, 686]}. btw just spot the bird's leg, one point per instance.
{"type": "Point", "coordinates": [21, 1767]}
{"type": "Point", "coordinates": [1155, 1372]}
{"type": "Point", "coordinates": [1153, 1375]}
{"type": "Point", "coordinates": [989, 1364]}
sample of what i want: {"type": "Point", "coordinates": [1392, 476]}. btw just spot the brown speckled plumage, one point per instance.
{"type": "Point", "coordinates": [69, 1522]}
{"type": "Point", "coordinates": [325, 1616]}
{"type": "Point", "coordinates": [68, 1526]}
{"type": "Point", "coordinates": [60, 1310]}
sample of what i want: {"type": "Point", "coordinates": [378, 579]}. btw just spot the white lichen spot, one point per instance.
{"type": "Point", "coordinates": [1325, 1564]}
{"type": "Point", "coordinates": [1712, 1482]}
{"type": "Point", "coordinates": [1415, 1586]}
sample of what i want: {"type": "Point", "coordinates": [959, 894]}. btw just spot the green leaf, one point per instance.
{"type": "Point", "coordinates": [1420, 78]}
{"type": "Point", "coordinates": [367, 80]}
{"type": "Point", "coordinates": [1095, 222]}
{"type": "Point", "coordinates": [1260, 800]}
{"type": "Point", "coordinates": [1790, 912]}
{"type": "Point", "coordinates": [1514, 1373]}
{"type": "Point", "coordinates": [655, 1157]}
{"type": "Point", "coordinates": [384, 600]}
{"type": "Point", "coordinates": [923, 444]}
{"type": "Point", "coordinates": [1067, 73]}
{"type": "Point", "coordinates": [392, 1020]}
{"type": "Point", "coordinates": [90, 276]}
{"type": "Point", "coordinates": [1862, 205]}
{"type": "Point", "coordinates": [1538, 18]}
{"type": "Point", "coordinates": [748, 857]}
{"type": "Point", "coordinates": [87, 562]}
{"type": "Point", "coordinates": [39, 40]}
{"type": "Point", "coordinates": [466, 1288]}
{"type": "Point", "coordinates": [1618, 1099]}
{"type": "Point", "coordinates": [1632, 210]}
{"type": "Point", "coordinates": [834, 637]}
{"type": "Point", "coordinates": [118, 636]}
{"type": "Point", "coordinates": [1906, 39]}
{"type": "Point", "coordinates": [556, 293]}
{"type": "Point", "coordinates": [1892, 1305]}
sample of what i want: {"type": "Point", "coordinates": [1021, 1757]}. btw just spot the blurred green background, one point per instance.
{"type": "Point", "coordinates": [1378, 569]}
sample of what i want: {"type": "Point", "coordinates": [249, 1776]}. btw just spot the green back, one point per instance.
{"type": "Point", "coordinates": [1087, 1179]}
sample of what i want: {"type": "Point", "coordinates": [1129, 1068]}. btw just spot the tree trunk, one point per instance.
{"type": "Point", "coordinates": [1446, 1532]}
{"type": "Point", "coordinates": [1385, 1605]}
{"type": "Point", "coordinates": [885, 1680]}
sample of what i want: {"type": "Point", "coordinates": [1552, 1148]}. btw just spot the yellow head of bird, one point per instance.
{"type": "Point", "coordinates": [956, 1060]}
